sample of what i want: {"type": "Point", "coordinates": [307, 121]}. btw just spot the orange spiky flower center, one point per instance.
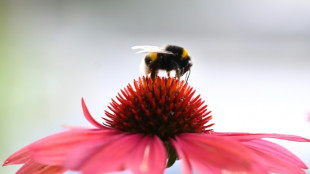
{"type": "Point", "coordinates": [163, 107]}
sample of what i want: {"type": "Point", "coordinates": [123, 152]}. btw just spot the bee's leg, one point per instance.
{"type": "Point", "coordinates": [178, 73]}
{"type": "Point", "coordinates": [187, 75]}
{"type": "Point", "coordinates": [168, 73]}
{"type": "Point", "coordinates": [154, 74]}
{"type": "Point", "coordinates": [181, 71]}
{"type": "Point", "coordinates": [177, 70]}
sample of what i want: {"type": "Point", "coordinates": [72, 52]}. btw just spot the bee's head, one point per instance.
{"type": "Point", "coordinates": [182, 54]}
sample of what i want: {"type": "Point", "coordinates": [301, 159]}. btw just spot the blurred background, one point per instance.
{"type": "Point", "coordinates": [251, 62]}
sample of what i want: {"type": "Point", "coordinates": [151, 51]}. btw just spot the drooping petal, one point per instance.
{"type": "Point", "coordinates": [251, 136]}
{"type": "Point", "coordinates": [201, 167]}
{"type": "Point", "coordinates": [112, 156]}
{"type": "Point", "coordinates": [51, 170]}
{"type": "Point", "coordinates": [53, 149]}
{"type": "Point", "coordinates": [212, 153]}
{"type": "Point", "coordinates": [275, 151]}
{"type": "Point", "coordinates": [273, 164]}
{"type": "Point", "coordinates": [158, 154]}
{"type": "Point", "coordinates": [30, 167]}
{"type": "Point", "coordinates": [89, 118]}
{"type": "Point", "coordinates": [19, 157]}
{"type": "Point", "coordinates": [149, 157]}
{"type": "Point", "coordinates": [186, 167]}
{"type": "Point", "coordinates": [80, 154]}
{"type": "Point", "coordinates": [275, 157]}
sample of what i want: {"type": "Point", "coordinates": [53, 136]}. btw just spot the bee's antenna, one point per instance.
{"type": "Point", "coordinates": [187, 75]}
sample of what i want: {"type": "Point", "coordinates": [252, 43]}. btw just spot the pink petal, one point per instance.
{"type": "Point", "coordinates": [138, 155]}
{"type": "Point", "coordinates": [214, 153]}
{"type": "Point", "coordinates": [51, 170]}
{"type": "Point", "coordinates": [276, 165]}
{"type": "Point", "coordinates": [112, 156]}
{"type": "Point", "coordinates": [186, 166]}
{"type": "Point", "coordinates": [79, 155]}
{"type": "Point", "coordinates": [53, 149]}
{"type": "Point", "coordinates": [249, 136]}
{"type": "Point", "coordinates": [89, 117]}
{"type": "Point", "coordinates": [203, 168]}
{"type": "Point", "coordinates": [149, 156]}
{"type": "Point", "coordinates": [157, 153]}
{"type": "Point", "coordinates": [276, 151]}
{"type": "Point", "coordinates": [19, 157]}
{"type": "Point", "coordinates": [30, 167]}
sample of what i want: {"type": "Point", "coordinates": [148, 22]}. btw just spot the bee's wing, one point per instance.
{"type": "Point", "coordinates": [150, 49]}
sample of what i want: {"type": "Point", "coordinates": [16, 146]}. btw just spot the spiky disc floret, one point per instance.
{"type": "Point", "coordinates": [164, 107]}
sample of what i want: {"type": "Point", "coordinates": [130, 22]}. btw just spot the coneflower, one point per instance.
{"type": "Point", "coordinates": [151, 124]}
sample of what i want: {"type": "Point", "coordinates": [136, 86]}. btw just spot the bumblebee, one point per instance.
{"type": "Point", "coordinates": [170, 58]}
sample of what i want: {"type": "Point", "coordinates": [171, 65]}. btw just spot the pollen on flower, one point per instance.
{"type": "Point", "coordinates": [163, 107]}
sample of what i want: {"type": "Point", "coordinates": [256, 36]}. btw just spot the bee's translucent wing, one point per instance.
{"type": "Point", "coordinates": [150, 49]}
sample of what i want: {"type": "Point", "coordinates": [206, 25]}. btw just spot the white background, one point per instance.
{"type": "Point", "coordinates": [251, 62]}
